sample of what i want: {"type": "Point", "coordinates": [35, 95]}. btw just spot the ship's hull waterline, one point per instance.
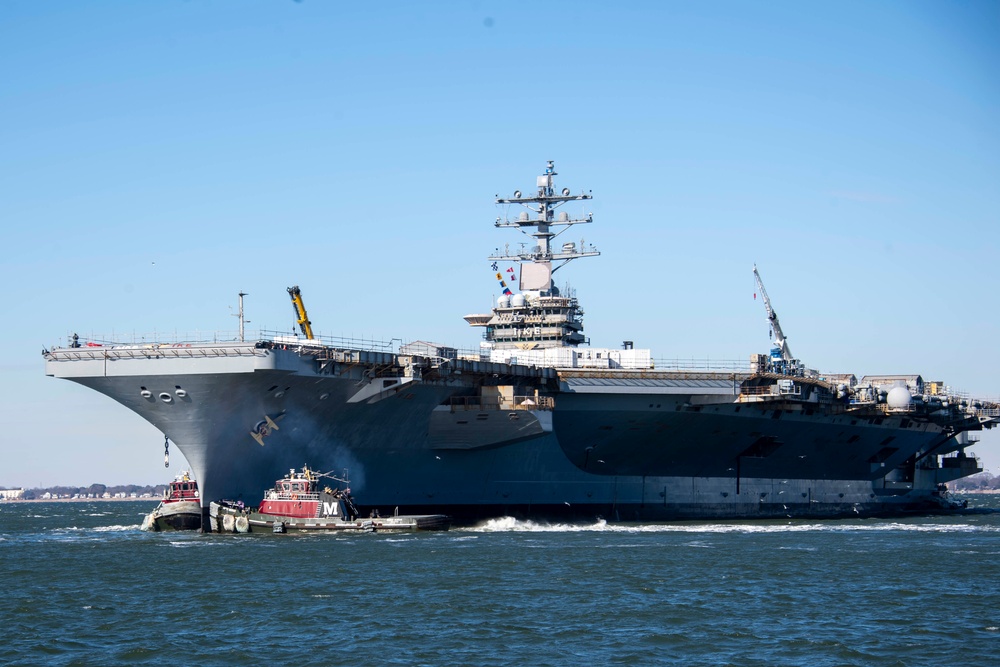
{"type": "Point", "coordinates": [655, 455]}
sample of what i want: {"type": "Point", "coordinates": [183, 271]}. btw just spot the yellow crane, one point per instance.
{"type": "Point", "coordinates": [300, 311]}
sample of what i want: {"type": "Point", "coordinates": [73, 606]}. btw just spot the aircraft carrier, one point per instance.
{"type": "Point", "coordinates": [535, 423]}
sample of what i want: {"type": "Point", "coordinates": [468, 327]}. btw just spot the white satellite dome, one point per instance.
{"type": "Point", "coordinates": [517, 300]}
{"type": "Point", "coordinates": [503, 301]}
{"type": "Point", "coordinates": [899, 398]}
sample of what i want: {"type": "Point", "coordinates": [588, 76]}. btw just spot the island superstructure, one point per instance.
{"type": "Point", "coordinates": [538, 317]}
{"type": "Point", "coordinates": [536, 423]}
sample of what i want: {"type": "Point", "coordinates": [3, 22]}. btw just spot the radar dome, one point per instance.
{"type": "Point", "coordinates": [504, 301]}
{"type": "Point", "coordinates": [517, 301]}
{"type": "Point", "coordinates": [899, 398]}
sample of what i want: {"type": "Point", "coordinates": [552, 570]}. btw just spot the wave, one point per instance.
{"type": "Point", "coordinates": [81, 530]}
{"type": "Point", "coordinates": [116, 529]}
{"type": "Point", "coordinates": [509, 524]}
{"type": "Point", "coordinates": [512, 525]}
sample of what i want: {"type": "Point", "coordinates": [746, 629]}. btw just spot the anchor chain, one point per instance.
{"type": "Point", "coordinates": [166, 452]}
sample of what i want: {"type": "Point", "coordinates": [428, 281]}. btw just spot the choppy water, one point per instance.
{"type": "Point", "coordinates": [84, 586]}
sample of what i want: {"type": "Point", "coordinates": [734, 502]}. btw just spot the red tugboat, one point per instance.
{"type": "Point", "coordinates": [180, 508]}
{"type": "Point", "coordinates": [296, 504]}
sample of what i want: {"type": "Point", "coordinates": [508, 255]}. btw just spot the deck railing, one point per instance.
{"type": "Point", "coordinates": [168, 338]}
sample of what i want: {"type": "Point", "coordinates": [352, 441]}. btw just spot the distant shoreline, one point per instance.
{"type": "Point", "coordinates": [79, 500]}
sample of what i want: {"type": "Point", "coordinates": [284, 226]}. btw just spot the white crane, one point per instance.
{"type": "Point", "coordinates": [782, 360]}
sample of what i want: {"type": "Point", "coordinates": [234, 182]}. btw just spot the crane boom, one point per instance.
{"type": "Point", "coordinates": [780, 342]}
{"type": "Point", "coordinates": [300, 312]}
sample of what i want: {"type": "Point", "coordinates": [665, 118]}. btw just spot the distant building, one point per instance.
{"type": "Point", "coordinates": [11, 494]}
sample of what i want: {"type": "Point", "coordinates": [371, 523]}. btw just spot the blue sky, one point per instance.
{"type": "Point", "coordinates": [158, 158]}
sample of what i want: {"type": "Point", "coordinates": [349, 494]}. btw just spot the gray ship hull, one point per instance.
{"type": "Point", "coordinates": [418, 440]}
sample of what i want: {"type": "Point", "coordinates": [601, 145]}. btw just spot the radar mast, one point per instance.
{"type": "Point", "coordinates": [543, 219]}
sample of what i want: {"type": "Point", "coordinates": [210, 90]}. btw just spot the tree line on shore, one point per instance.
{"type": "Point", "coordinates": [96, 491]}
{"type": "Point", "coordinates": [982, 481]}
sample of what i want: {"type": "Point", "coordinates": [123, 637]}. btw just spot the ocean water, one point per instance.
{"type": "Point", "coordinates": [82, 585]}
